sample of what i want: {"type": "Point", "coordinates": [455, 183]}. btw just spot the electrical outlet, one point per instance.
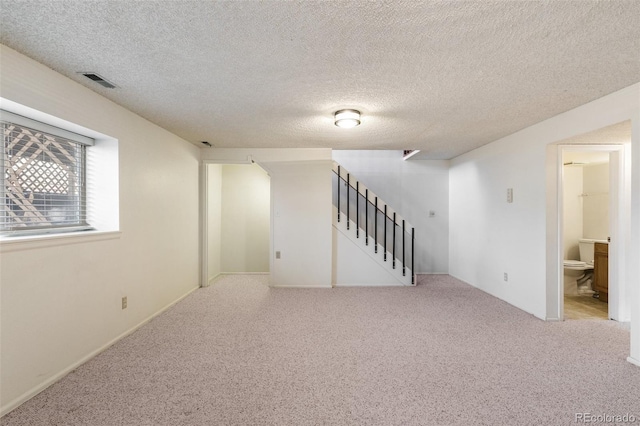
{"type": "Point", "coordinates": [124, 302]}
{"type": "Point", "coordinates": [277, 255]}
{"type": "Point", "coordinates": [509, 195]}
{"type": "Point", "coordinates": [506, 276]}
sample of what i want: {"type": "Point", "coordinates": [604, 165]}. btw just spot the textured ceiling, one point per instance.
{"type": "Point", "coordinates": [440, 76]}
{"type": "Point", "coordinates": [619, 133]}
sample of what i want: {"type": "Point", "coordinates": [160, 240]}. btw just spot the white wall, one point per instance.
{"type": "Point", "coordinates": [632, 264]}
{"type": "Point", "coordinates": [301, 224]}
{"type": "Point", "coordinates": [245, 219]}
{"type": "Point", "coordinates": [61, 300]}
{"type": "Point", "coordinates": [412, 188]}
{"type": "Point", "coordinates": [214, 217]}
{"type": "Point", "coordinates": [489, 236]}
{"type": "Point", "coordinates": [356, 263]}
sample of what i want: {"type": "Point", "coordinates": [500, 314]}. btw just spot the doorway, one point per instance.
{"type": "Point", "coordinates": [618, 141]}
{"type": "Point", "coordinates": [586, 204]}
{"type": "Point", "coordinates": [236, 220]}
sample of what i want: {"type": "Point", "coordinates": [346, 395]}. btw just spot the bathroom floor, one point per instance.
{"type": "Point", "coordinates": [584, 307]}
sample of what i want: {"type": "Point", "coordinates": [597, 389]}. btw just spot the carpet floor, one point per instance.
{"type": "Point", "coordinates": [440, 353]}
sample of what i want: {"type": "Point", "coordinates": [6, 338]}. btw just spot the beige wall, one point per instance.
{"type": "Point", "coordinates": [586, 205]}
{"type": "Point", "coordinates": [61, 299]}
{"type": "Point", "coordinates": [572, 210]}
{"type": "Point", "coordinates": [245, 219]}
{"type": "Point", "coordinates": [214, 218]}
{"type": "Point", "coordinates": [596, 201]}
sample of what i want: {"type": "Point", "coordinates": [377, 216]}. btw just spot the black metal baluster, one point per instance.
{"type": "Point", "coordinates": [375, 226]}
{"type": "Point", "coordinates": [403, 267]}
{"type": "Point", "coordinates": [393, 247]}
{"type": "Point", "coordinates": [339, 182]}
{"type": "Point", "coordinates": [385, 232]}
{"type": "Point", "coordinates": [366, 217]}
{"type": "Point", "coordinates": [348, 190]}
{"type": "Point", "coordinates": [357, 209]}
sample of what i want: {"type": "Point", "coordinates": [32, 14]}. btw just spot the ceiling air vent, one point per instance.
{"type": "Point", "coordinates": [101, 81]}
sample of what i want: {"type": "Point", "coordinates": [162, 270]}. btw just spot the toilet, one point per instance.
{"type": "Point", "coordinates": [585, 265]}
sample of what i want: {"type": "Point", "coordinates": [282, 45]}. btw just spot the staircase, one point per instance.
{"type": "Point", "coordinates": [374, 244]}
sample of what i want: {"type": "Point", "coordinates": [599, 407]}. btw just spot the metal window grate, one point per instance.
{"type": "Point", "coordinates": [44, 180]}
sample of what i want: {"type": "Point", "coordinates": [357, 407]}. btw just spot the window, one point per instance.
{"type": "Point", "coordinates": [44, 169]}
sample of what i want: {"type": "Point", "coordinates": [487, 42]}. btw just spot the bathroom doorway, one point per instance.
{"type": "Point", "coordinates": [611, 235]}
{"type": "Point", "coordinates": [586, 204]}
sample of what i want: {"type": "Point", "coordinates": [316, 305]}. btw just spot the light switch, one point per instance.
{"type": "Point", "coordinates": [509, 195]}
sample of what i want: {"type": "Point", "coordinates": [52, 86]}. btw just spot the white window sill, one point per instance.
{"type": "Point", "coordinates": [28, 242]}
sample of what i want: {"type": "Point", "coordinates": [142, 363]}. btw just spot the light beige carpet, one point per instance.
{"type": "Point", "coordinates": [442, 353]}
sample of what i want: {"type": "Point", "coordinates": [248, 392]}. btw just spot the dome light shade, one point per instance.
{"type": "Point", "coordinates": [347, 118]}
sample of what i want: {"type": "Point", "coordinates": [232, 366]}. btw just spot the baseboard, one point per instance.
{"type": "Point", "coordinates": [222, 274]}
{"type": "Point", "coordinates": [243, 273]}
{"type": "Point", "coordinates": [634, 361]}
{"type": "Point", "coordinates": [213, 279]}
{"type": "Point", "coordinates": [41, 387]}
{"type": "Point", "coordinates": [299, 286]}
{"type": "Point", "coordinates": [371, 285]}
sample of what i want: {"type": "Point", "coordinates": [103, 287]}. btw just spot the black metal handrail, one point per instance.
{"type": "Point", "coordinates": [387, 217]}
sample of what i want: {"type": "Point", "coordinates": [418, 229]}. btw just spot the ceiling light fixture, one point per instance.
{"type": "Point", "coordinates": [347, 118]}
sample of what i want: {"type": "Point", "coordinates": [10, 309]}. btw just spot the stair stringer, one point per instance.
{"type": "Point", "coordinates": [357, 264]}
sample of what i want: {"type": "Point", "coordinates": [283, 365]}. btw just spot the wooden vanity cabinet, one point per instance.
{"type": "Point", "coordinates": [601, 270]}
